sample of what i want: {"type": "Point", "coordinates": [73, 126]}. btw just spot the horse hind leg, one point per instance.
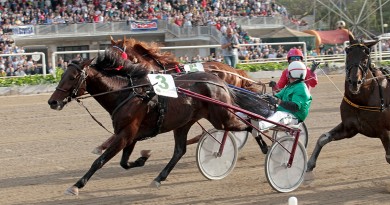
{"type": "Point", "coordinates": [180, 136]}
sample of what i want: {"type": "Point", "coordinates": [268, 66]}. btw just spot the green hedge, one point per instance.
{"type": "Point", "coordinates": [262, 66]}
{"type": "Point", "coordinates": [31, 80]}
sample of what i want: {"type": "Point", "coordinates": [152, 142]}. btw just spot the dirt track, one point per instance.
{"type": "Point", "coordinates": [43, 152]}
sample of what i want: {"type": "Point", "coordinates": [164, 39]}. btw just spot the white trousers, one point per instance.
{"type": "Point", "coordinates": [279, 117]}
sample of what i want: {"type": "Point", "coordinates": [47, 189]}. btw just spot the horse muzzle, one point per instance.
{"type": "Point", "coordinates": [57, 105]}
{"type": "Point", "coordinates": [354, 86]}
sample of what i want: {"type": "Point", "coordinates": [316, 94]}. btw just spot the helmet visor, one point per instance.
{"type": "Point", "coordinates": [295, 58]}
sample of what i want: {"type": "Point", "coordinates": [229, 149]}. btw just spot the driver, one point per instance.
{"type": "Point", "coordinates": [293, 101]}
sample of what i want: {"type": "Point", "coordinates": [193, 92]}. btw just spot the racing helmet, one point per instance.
{"type": "Point", "coordinates": [294, 52]}
{"type": "Point", "coordinates": [297, 70]}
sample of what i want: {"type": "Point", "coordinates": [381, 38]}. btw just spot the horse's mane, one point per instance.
{"type": "Point", "coordinates": [111, 63]}
{"type": "Point", "coordinates": [140, 52]}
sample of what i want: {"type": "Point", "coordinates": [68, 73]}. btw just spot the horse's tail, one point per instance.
{"type": "Point", "coordinates": [250, 101]}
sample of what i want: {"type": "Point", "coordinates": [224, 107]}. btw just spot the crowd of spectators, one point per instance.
{"type": "Point", "coordinates": [184, 13]}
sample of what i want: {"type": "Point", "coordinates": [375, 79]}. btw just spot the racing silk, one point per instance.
{"type": "Point", "coordinates": [300, 95]}
{"type": "Point", "coordinates": [310, 80]}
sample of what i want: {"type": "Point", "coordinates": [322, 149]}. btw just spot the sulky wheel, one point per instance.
{"type": "Point", "coordinates": [210, 164]}
{"type": "Point", "coordinates": [279, 176]}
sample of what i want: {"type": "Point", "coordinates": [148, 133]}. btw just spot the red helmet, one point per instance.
{"type": "Point", "coordinates": [294, 52]}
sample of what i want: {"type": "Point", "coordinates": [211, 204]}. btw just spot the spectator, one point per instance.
{"type": "Point", "coordinates": [229, 43]}
{"type": "Point", "coordinates": [2, 72]}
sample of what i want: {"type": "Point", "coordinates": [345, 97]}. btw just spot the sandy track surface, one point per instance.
{"type": "Point", "coordinates": [43, 152]}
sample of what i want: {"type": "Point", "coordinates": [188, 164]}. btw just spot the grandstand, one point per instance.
{"type": "Point", "coordinates": [50, 26]}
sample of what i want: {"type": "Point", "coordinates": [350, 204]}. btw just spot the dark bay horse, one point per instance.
{"type": "Point", "coordinates": [150, 55]}
{"type": "Point", "coordinates": [137, 113]}
{"type": "Point", "coordinates": [365, 105]}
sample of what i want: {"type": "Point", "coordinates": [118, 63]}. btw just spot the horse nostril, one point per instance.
{"type": "Point", "coordinates": [359, 82]}
{"type": "Point", "coordinates": [52, 102]}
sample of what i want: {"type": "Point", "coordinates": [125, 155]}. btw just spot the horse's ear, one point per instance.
{"type": "Point", "coordinates": [88, 62]}
{"type": "Point", "coordinates": [351, 38]}
{"type": "Point", "coordinates": [370, 43]}
{"type": "Point", "coordinates": [113, 42]}
{"type": "Point", "coordinates": [124, 39]}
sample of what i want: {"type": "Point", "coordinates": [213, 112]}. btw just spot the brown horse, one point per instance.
{"type": "Point", "coordinates": [150, 55]}
{"type": "Point", "coordinates": [365, 105]}
{"type": "Point", "coordinates": [137, 113]}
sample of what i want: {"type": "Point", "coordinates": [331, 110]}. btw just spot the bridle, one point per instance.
{"type": "Point", "coordinates": [363, 68]}
{"type": "Point", "coordinates": [81, 77]}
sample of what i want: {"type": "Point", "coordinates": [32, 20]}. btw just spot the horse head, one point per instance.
{"type": "Point", "coordinates": [358, 63]}
{"type": "Point", "coordinates": [71, 85]}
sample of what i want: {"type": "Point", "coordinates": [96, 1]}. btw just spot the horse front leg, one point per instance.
{"type": "Point", "coordinates": [117, 144]}
{"type": "Point", "coordinates": [180, 149]}
{"type": "Point", "coordinates": [385, 139]}
{"type": "Point", "coordinates": [337, 133]}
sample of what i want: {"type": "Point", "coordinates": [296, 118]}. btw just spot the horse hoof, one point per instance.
{"type": "Point", "coordinates": [97, 151]}
{"type": "Point", "coordinates": [155, 184]}
{"type": "Point", "coordinates": [146, 153]}
{"type": "Point", "coordinates": [309, 178]}
{"type": "Point", "coordinates": [72, 191]}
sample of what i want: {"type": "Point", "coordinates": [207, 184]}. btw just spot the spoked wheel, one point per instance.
{"type": "Point", "coordinates": [210, 164]}
{"type": "Point", "coordinates": [279, 176]}
{"type": "Point", "coordinates": [241, 138]}
{"type": "Point", "coordinates": [303, 135]}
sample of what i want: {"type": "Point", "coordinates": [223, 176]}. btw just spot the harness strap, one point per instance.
{"type": "Point", "coordinates": [362, 107]}
{"type": "Point", "coordinates": [380, 91]}
{"type": "Point", "coordinates": [162, 106]}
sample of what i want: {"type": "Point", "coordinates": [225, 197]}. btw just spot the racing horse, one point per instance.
{"type": "Point", "coordinates": [138, 114]}
{"type": "Point", "coordinates": [150, 55]}
{"type": "Point", "coordinates": [365, 105]}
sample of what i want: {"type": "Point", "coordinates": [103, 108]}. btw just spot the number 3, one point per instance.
{"type": "Point", "coordinates": [162, 82]}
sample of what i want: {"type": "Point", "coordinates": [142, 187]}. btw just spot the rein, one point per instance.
{"type": "Point", "coordinates": [113, 91]}
{"type": "Point", "coordinates": [237, 75]}
{"type": "Point", "coordinates": [93, 117]}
